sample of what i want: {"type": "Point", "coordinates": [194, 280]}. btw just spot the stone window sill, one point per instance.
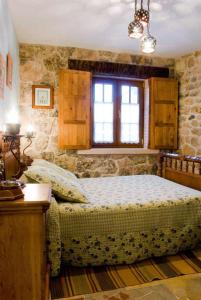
{"type": "Point", "coordinates": [118, 151]}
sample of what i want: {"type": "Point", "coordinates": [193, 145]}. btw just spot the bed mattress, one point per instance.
{"type": "Point", "coordinates": [127, 218]}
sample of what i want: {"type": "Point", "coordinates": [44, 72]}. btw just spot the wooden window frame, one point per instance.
{"type": "Point", "coordinates": [117, 82]}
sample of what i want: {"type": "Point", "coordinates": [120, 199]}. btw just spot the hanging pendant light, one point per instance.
{"type": "Point", "coordinates": [142, 15]}
{"type": "Point", "coordinates": [148, 43]}
{"type": "Point", "coordinates": [135, 28]}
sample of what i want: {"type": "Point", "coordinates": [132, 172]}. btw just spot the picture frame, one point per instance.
{"type": "Point", "coordinates": [9, 71]}
{"type": "Point", "coordinates": [42, 96]}
{"type": "Point", "coordinates": [2, 76]}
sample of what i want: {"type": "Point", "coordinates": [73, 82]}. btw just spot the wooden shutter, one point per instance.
{"type": "Point", "coordinates": [163, 116]}
{"type": "Point", "coordinates": [74, 109]}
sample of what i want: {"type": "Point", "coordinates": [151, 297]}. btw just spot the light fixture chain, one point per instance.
{"type": "Point", "coordinates": [148, 5]}
{"type": "Point", "coordinates": [135, 6]}
{"type": "Point", "coordinates": [141, 3]}
{"type": "Point", "coordinates": [148, 29]}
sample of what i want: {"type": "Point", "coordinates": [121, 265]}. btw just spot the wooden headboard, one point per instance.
{"type": "Point", "coordinates": [182, 169]}
{"type": "Point", "coordinates": [9, 162]}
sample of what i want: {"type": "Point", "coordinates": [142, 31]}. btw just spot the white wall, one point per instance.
{"type": "Point", "coordinates": [8, 43]}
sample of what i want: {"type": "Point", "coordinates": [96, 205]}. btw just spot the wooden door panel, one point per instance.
{"type": "Point", "coordinates": [163, 113]}
{"type": "Point", "coordinates": [165, 89]}
{"type": "Point", "coordinates": [78, 134]}
{"type": "Point", "coordinates": [74, 109]}
{"type": "Point", "coordinates": [164, 137]}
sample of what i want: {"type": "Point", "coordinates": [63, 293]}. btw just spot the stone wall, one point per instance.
{"type": "Point", "coordinates": [103, 165]}
{"type": "Point", "coordinates": [188, 71]}
{"type": "Point", "coordinates": [40, 65]}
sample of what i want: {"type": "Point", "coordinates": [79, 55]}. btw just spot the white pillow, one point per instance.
{"type": "Point", "coordinates": [46, 164]}
{"type": "Point", "coordinates": [63, 187]}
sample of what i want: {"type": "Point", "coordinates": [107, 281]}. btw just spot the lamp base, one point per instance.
{"type": "Point", "coordinates": [10, 190]}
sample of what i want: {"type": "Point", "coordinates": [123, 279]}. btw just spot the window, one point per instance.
{"type": "Point", "coordinates": [117, 113]}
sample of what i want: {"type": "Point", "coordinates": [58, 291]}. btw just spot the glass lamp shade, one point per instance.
{"type": "Point", "coordinates": [135, 30]}
{"type": "Point", "coordinates": [148, 44]}
{"type": "Point", "coordinates": [142, 16]}
{"type": "Point", "coordinates": [12, 129]}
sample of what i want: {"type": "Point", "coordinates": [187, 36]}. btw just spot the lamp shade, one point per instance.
{"type": "Point", "coordinates": [12, 129]}
{"type": "Point", "coordinates": [142, 16]}
{"type": "Point", "coordinates": [148, 44]}
{"type": "Point", "coordinates": [135, 30]}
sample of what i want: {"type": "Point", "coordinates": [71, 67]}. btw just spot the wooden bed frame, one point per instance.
{"type": "Point", "coordinates": [182, 169]}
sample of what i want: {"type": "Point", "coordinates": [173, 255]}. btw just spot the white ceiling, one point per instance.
{"type": "Point", "coordinates": [102, 24]}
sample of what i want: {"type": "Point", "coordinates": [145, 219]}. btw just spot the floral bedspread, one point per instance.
{"type": "Point", "coordinates": [127, 218]}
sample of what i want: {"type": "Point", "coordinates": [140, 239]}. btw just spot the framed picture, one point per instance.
{"type": "Point", "coordinates": [2, 76]}
{"type": "Point", "coordinates": [9, 71]}
{"type": "Point", "coordinates": [42, 96]}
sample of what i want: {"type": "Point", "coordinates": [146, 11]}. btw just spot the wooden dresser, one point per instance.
{"type": "Point", "coordinates": [22, 245]}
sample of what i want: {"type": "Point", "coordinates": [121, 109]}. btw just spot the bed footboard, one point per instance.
{"type": "Point", "coordinates": [182, 169]}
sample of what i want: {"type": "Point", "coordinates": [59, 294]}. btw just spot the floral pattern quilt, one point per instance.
{"type": "Point", "coordinates": [126, 219]}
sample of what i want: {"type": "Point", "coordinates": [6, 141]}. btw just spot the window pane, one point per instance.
{"type": "Point", "coordinates": [103, 122]}
{"type": "Point", "coordinates": [103, 132]}
{"type": "Point", "coordinates": [125, 133]}
{"type": "Point", "coordinates": [98, 112]}
{"type": "Point", "coordinates": [108, 132]}
{"type": "Point", "coordinates": [98, 132]}
{"type": "Point", "coordinates": [107, 93]}
{"type": "Point", "coordinates": [108, 113]}
{"type": "Point", "coordinates": [125, 113]}
{"type": "Point", "coordinates": [103, 112]}
{"type": "Point", "coordinates": [98, 97]}
{"type": "Point", "coordinates": [134, 114]}
{"type": "Point", "coordinates": [129, 133]}
{"type": "Point", "coordinates": [134, 133]}
{"type": "Point", "coordinates": [129, 115]}
{"type": "Point", "coordinates": [134, 95]}
{"type": "Point", "coordinates": [125, 94]}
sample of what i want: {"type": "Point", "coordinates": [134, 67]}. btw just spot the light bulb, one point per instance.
{"type": "Point", "coordinates": [12, 122]}
{"type": "Point", "coordinates": [12, 117]}
{"type": "Point", "coordinates": [29, 131]}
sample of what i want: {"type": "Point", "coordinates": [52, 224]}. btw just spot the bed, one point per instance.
{"type": "Point", "coordinates": [129, 218]}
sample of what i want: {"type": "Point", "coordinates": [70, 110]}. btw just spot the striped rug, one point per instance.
{"type": "Point", "coordinates": [79, 281]}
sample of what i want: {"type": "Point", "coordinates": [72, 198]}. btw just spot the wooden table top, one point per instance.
{"type": "Point", "coordinates": [35, 195]}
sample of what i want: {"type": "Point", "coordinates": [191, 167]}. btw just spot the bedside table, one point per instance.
{"type": "Point", "coordinates": [22, 244]}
